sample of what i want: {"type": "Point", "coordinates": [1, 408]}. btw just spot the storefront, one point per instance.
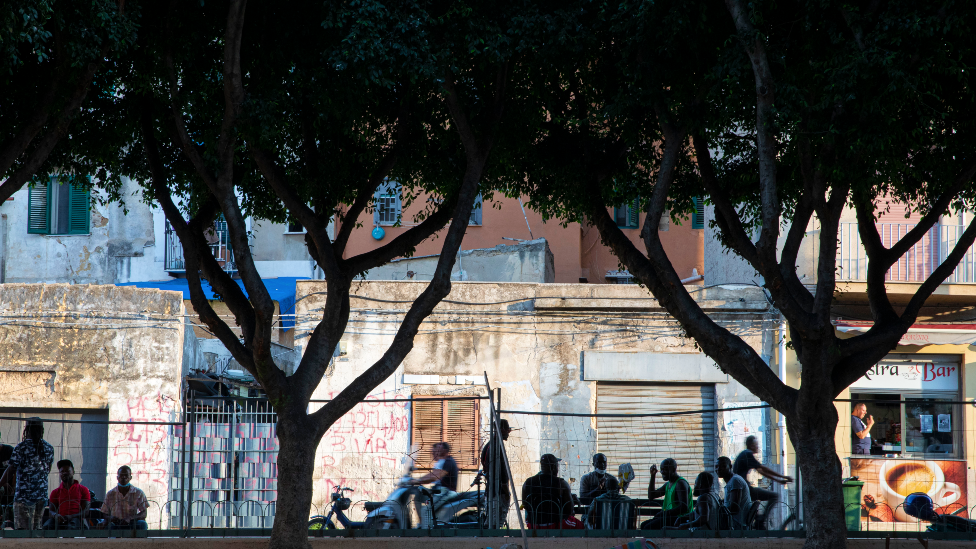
{"type": "Point", "coordinates": [917, 439]}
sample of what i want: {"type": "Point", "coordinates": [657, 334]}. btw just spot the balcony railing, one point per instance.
{"type": "Point", "coordinates": [219, 247]}
{"type": "Point", "coordinates": [916, 264]}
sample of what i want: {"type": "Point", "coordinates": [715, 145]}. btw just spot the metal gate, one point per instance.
{"type": "Point", "coordinates": [85, 444]}
{"type": "Point", "coordinates": [688, 438]}
{"type": "Point", "coordinates": [228, 476]}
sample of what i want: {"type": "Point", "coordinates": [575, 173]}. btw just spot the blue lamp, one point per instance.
{"type": "Point", "coordinates": [378, 233]}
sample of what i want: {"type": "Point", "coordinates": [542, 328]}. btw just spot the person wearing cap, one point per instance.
{"type": "Point", "coordinates": [547, 499]}
{"type": "Point", "coordinates": [31, 464]}
{"type": "Point", "coordinates": [69, 501]}
{"type": "Point", "coordinates": [504, 493]}
{"type": "Point", "coordinates": [125, 505]}
{"type": "Point", "coordinates": [597, 482]}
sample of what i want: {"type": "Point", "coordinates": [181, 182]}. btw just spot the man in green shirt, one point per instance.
{"type": "Point", "coordinates": [676, 493]}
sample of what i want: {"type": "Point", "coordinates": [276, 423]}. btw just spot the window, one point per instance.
{"type": "Point", "coordinates": [913, 425]}
{"type": "Point", "coordinates": [627, 215]}
{"type": "Point", "coordinates": [294, 226]}
{"type": "Point", "coordinates": [56, 207]}
{"type": "Point", "coordinates": [475, 218]}
{"type": "Point", "coordinates": [698, 218]}
{"type": "Point", "coordinates": [386, 204]}
{"type": "Point", "coordinates": [456, 422]}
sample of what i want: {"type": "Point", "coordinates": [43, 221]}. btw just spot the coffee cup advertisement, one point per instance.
{"type": "Point", "coordinates": [887, 482]}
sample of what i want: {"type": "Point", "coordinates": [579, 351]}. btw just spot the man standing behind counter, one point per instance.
{"type": "Point", "coordinates": [861, 429]}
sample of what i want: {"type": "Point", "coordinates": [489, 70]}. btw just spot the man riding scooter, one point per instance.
{"type": "Point", "coordinates": [445, 471]}
{"type": "Point", "coordinates": [444, 476]}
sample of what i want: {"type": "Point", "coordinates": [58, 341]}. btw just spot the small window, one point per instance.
{"type": "Point", "coordinates": [698, 218]}
{"type": "Point", "coordinates": [456, 422]}
{"type": "Point", "coordinates": [387, 204]}
{"type": "Point", "coordinates": [475, 218]}
{"type": "Point", "coordinates": [627, 215]}
{"type": "Point", "coordinates": [294, 226]}
{"type": "Point", "coordinates": [57, 207]}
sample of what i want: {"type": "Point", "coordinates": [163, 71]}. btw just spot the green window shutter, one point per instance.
{"type": "Point", "coordinates": [38, 209]}
{"type": "Point", "coordinates": [79, 210]}
{"type": "Point", "coordinates": [698, 218]}
{"type": "Point", "coordinates": [633, 214]}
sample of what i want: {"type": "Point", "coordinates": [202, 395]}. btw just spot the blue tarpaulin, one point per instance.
{"type": "Point", "coordinates": [281, 289]}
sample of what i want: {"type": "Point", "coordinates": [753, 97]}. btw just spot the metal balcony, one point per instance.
{"type": "Point", "coordinates": [219, 246]}
{"type": "Point", "coordinates": [917, 263]}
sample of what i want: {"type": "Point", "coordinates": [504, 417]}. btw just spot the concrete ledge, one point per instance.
{"type": "Point", "coordinates": [463, 543]}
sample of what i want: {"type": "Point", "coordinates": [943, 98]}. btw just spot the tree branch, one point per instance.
{"type": "Point", "coordinates": [765, 139]}
{"type": "Point", "coordinates": [278, 180]}
{"type": "Point", "coordinates": [47, 143]}
{"type": "Point", "coordinates": [193, 240]}
{"type": "Point", "coordinates": [440, 285]}
{"type": "Point", "coordinates": [363, 196]}
{"type": "Point", "coordinates": [16, 146]}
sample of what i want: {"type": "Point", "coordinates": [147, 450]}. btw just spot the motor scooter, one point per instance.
{"type": "Point", "coordinates": [339, 504]}
{"type": "Point", "coordinates": [437, 507]}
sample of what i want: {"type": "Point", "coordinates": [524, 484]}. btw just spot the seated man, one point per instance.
{"type": "Point", "coordinates": [676, 493]}
{"type": "Point", "coordinates": [547, 499]}
{"type": "Point", "coordinates": [706, 509]}
{"type": "Point", "coordinates": [69, 501]}
{"type": "Point", "coordinates": [125, 505]}
{"type": "Point", "coordinates": [597, 482]}
{"type": "Point", "coordinates": [737, 499]}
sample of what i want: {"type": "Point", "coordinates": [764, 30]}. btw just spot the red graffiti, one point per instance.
{"type": "Point", "coordinates": [366, 431]}
{"type": "Point", "coordinates": [144, 447]}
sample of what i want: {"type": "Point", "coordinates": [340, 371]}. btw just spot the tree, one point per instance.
{"type": "Point", "coordinates": [781, 115]}
{"type": "Point", "coordinates": [55, 53]}
{"type": "Point", "coordinates": [303, 111]}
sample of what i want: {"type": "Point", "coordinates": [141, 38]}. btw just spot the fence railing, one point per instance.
{"type": "Point", "coordinates": [222, 474]}
{"type": "Point", "coordinates": [916, 264]}
{"type": "Point", "coordinates": [219, 247]}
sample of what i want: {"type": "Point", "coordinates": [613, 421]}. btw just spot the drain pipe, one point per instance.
{"type": "Point", "coordinates": [781, 424]}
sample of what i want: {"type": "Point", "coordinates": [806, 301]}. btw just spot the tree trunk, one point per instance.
{"type": "Point", "coordinates": [296, 463]}
{"type": "Point", "coordinates": [812, 433]}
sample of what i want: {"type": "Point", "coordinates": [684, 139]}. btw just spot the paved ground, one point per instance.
{"type": "Point", "coordinates": [462, 543]}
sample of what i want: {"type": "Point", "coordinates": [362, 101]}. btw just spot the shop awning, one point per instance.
{"type": "Point", "coordinates": [923, 334]}
{"type": "Point", "coordinates": [281, 289]}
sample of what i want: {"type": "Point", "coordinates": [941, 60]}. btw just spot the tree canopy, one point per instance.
{"type": "Point", "coordinates": [54, 54]}
{"type": "Point", "coordinates": [303, 111]}
{"type": "Point", "coordinates": [781, 115]}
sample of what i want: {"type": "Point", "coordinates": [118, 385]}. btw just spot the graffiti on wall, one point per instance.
{"type": "Point", "coordinates": [363, 450]}
{"type": "Point", "coordinates": [144, 447]}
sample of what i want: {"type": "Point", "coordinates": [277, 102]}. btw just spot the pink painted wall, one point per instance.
{"type": "Point", "coordinates": [577, 250]}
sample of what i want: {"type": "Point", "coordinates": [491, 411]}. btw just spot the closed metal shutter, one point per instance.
{"type": "Point", "coordinates": [689, 438]}
{"type": "Point", "coordinates": [85, 444]}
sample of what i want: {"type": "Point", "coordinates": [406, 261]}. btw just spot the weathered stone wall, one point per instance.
{"type": "Point", "coordinates": [82, 347]}
{"type": "Point", "coordinates": [529, 338]}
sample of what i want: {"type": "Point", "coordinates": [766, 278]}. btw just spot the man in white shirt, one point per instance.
{"type": "Point", "coordinates": [737, 499]}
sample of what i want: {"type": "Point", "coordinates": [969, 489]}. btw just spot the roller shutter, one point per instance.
{"type": "Point", "coordinates": [689, 438]}
{"type": "Point", "coordinates": [85, 444]}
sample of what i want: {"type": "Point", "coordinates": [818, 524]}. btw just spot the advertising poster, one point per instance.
{"type": "Point", "coordinates": [887, 482]}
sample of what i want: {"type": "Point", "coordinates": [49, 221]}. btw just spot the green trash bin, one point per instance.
{"type": "Point", "coordinates": [852, 504]}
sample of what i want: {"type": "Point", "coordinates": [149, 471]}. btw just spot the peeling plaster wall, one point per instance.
{"type": "Point", "coordinates": [529, 338]}
{"type": "Point", "coordinates": [101, 347]}
{"type": "Point", "coordinates": [121, 246]}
